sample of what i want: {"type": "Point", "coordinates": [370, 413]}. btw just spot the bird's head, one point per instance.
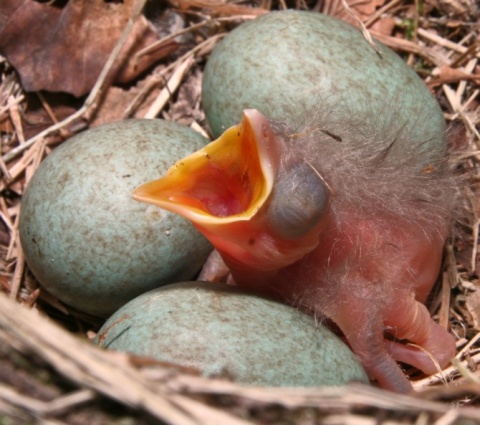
{"type": "Point", "coordinates": [261, 208]}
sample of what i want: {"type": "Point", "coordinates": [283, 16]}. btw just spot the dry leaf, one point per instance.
{"type": "Point", "coordinates": [384, 26]}
{"type": "Point", "coordinates": [36, 117]}
{"type": "Point", "coordinates": [64, 49]}
{"type": "Point", "coordinates": [116, 100]}
{"type": "Point", "coordinates": [219, 7]}
{"type": "Point", "coordinates": [363, 9]}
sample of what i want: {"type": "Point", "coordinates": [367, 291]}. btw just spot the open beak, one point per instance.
{"type": "Point", "coordinates": [227, 181]}
{"type": "Point", "coordinates": [229, 191]}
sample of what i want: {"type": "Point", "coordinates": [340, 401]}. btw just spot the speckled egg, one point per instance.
{"type": "Point", "coordinates": [223, 331]}
{"type": "Point", "coordinates": [288, 64]}
{"type": "Point", "coordinates": [85, 239]}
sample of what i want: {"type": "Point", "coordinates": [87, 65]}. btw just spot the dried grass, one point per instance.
{"type": "Point", "coordinates": [50, 375]}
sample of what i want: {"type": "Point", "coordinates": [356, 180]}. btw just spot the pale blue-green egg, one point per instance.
{"type": "Point", "coordinates": [223, 331]}
{"type": "Point", "coordinates": [85, 239]}
{"type": "Point", "coordinates": [289, 64]}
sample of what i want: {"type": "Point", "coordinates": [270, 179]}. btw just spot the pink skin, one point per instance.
{"type": "Point", "coordinates": [370, 278]}
{"type": "Point", "coordinates": [362, 265]}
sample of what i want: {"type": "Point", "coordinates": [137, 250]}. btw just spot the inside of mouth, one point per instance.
{"type": "Point", "coordinates": [224, 179]}
{"type": "Point", "coordinates": [217, 192]}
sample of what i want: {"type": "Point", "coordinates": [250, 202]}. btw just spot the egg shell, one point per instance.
{"type": "Point", "coordinates": [223, 331]}
{"type": "Point", "coordinates": [85, 239]}
{"type": "Point", "coordinates": [288, 63]}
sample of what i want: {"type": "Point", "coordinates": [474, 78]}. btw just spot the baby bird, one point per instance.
{"type": "Point", "coordinates": [345, 225]}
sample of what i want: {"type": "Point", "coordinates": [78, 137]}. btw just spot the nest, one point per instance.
{"type": "Point", "coordinates": [51, 374]}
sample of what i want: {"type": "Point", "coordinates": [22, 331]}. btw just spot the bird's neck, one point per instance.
{"type": "Point", "coordinates": [257, 267]}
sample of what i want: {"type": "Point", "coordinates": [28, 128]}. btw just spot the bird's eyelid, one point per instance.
{"type": "Point", "coordinates": [298, 202]}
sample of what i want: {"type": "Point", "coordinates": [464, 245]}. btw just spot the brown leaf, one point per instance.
{"type": "Point", "coordinates": [64, 49]}
{"type": "Point", "coordinates": [36, 117]}
{"type": "Point", "coordinates": [384, 26]}
{"type": "Point", "coordinates": [363, 9]}
{"type": "Point", "coordinates": [219, 7]}
{"type": "Point", "coordinates": [116, 100]}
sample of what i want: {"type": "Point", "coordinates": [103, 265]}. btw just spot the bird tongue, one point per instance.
{"type": "Point", "coordinates": [228, 180]}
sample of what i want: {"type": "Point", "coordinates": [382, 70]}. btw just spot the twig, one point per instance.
{"type": "Point", "coordinates": [19, 270]}
{"type": "Point", "coordinates": [431, 36]}
{"type": "Point", "coordinates": [332, 399]}
{"type": "Point", "coordinates": [107, 373]}
{"type": "Point", "coordinates": [171, 86]}
{"type": "Point", "coordinates": [457, 107]}
{"type": "Point", "coordinates": [17, 168]}
{"type": "Point", "coordinates": [363, 27]}
{"type": "Point", "coordinates": [449, 372]}
{"type": "Point", "coordinates": [405, 45]}
{"type": "Point", "coordinates": [14, 241]}
{"type": "Point", "coordinates": [379, 12]}
{"type": "Point", "coordinates": [443, 314]}
{"type": "Point", "coordinates": [448, 418]}
{"type": "Point", "coordinates": [16, 119]}
{"type": "Point", "coordinates": [16, 101]}
{"type": "Point", "coordinates": [200, 49]}
{"type": "Point", "coordinates": [55, 407]}
{"type": "Point", "coordinates": [475, 230]}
